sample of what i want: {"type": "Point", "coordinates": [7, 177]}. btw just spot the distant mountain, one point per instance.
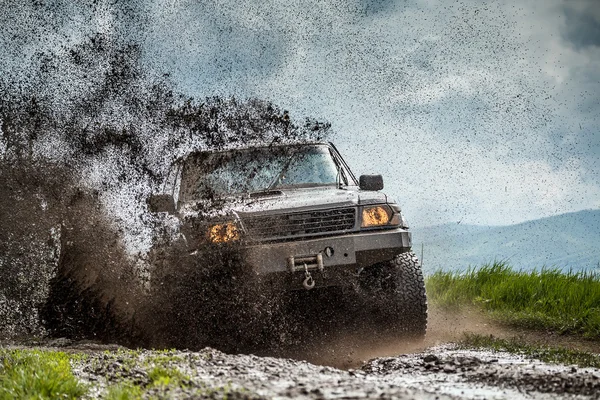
{"type": "Point", "coordinates": [566, 241]}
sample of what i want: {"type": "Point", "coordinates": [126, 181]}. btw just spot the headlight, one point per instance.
{"type": "Point", "coordinates": [376, 216]}
{"type": "Point", "coordinates": [225, 232]}
{"type": "Point", "coordinates": [381, 215]}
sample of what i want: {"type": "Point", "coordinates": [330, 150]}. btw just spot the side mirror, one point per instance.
{"type": "Point", "coordinates": [161, 203]}
{"type": "Point", "coordinates": [370, 182]}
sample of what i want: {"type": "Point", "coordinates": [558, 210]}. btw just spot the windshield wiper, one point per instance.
{"type": "Point", "coordinates": [280, 174]}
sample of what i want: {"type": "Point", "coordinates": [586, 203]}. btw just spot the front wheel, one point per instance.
{"type": "Point", "coordinates": [394, 298]}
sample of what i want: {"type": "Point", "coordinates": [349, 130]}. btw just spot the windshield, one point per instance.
{"type": "Point", "coordinates": [253, 170]}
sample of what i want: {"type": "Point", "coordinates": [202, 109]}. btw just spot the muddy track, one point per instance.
{"type": "Point", "coordinates": [441, 372]}
{"type": "Point", "coordinates": [344, 367]}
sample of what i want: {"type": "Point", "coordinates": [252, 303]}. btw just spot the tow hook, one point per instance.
{"type": "Point", "coordinates": [308, 282]}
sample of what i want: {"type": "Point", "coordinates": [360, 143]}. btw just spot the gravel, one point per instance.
{"type": "Point", "coordinates": [443, 372]}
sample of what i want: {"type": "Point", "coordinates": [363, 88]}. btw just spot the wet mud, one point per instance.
{"type": "Point", "coordinates": [333, 364]}
{"type": "Point", "coordinates": [439, 372]}
{"type": "Point", "coordinates": [480, 374]}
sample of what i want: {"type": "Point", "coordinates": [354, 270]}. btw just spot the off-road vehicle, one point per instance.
{"type": "Point", "coordinates": [299, 220]}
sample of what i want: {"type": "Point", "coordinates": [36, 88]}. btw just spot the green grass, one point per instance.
{"type": "Point", "coordinates": [46, 374]}
{"type": "Point", "coordinates": [549, 354]}
{"type": "Point", "coordinates": [546, 299]}
{"type": "Point", "coordinates": [162, 376]}
{"type": "Point", "coordinates": [124, 391]}
{"type": "Point", "coordinates": [36, 374]}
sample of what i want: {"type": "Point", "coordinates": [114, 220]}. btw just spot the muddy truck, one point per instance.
{"type": "Point", "coordinates": [295, 219]}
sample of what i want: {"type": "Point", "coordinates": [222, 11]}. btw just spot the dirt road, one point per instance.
{"type": "Point", "coordinates": [442, 372]}
{"type": "Point", "coordinates": [339, 371]}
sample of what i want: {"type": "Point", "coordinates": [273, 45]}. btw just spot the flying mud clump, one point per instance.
{"type": "Point", "coordinates": [86, 135]}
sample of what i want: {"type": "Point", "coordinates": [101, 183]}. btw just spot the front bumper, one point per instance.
{"type": "Point", "coordinates": [352, 251]}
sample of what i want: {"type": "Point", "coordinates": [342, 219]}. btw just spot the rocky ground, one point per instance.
{"type": "Point", "coordinates": [340, 367]}
{"type": "Point", "coordinates": [438, 372]}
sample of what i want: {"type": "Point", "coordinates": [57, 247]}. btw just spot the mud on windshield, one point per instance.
{"type": "Point", "coordinates": [208, 175]}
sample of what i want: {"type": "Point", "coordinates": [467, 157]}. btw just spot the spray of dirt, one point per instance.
{"type": "Point", "coordinates": [28, 259]}
{"type": "Point", "coordinates": [96, 289]}
{"type": "Point", "coordinates": [62, 264]}
{"type": "Point", "coordinates": [345, 349]}
{"type": "Point", "coordinates": [78, 159]}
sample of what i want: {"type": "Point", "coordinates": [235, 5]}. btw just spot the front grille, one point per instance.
{"type": "Point", "coordinates": [284, 226]}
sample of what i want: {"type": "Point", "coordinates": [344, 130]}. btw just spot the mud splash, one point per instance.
{"type": "Point", "coordinates": [57, 245]}
{"type": "Point", "coordinates": [78, 159]}
{"type": "Point", "coordinates": [344, 349]}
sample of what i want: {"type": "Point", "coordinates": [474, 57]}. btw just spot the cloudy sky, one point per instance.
{"type": "Point", "coordinates": [480, 112]}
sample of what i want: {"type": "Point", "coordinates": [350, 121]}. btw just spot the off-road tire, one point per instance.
{"type": "Point", "coordinates": [194, 303]}
{"type": "Point", "coordinates": [394, 298]}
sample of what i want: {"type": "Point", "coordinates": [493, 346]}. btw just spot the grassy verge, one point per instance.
{"type": "Point", "coordinates": [116, 375]}
{"type": "Point", "coordinates": [546, 299]}
{"type": "Point", "coordinates": [36, 374]}
{"type": "Point", "coordinates": [549, 354]}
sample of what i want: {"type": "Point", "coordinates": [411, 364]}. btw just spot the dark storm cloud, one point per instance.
{"type": "Point", "coordinates": [582, 27]}
{"type": "Point", "coordinates": [576, 136]}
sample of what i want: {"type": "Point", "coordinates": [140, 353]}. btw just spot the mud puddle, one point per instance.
{"type": "Point", "coordinates": [481, 374]}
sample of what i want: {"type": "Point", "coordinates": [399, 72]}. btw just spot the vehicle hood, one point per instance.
{"type": "Point", "coordinates": [281, 201]}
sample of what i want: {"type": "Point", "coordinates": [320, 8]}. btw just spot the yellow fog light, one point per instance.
{"type": "Point", "coordinates": [375, 216]}
{"type": "Point", "coordinates": [221, 233]}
